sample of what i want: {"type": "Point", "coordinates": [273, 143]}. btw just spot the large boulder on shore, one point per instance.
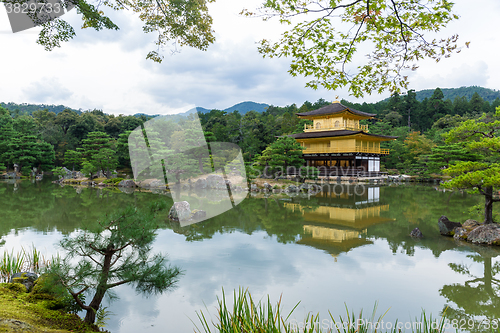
{"type": "Point", "coordinates": [200, 183]}
{"type": "Point", "coordinates": [485, 234]}
{"type": "Point", "coordinates": [447, 227]}
{"type": "Point", "coordinates": [25, 278]}
{"type": "Point", "coordinates": [126, 183]}
{"type": "Point", "coordinates": [180, 211]}
{"type": "Point", "coordinates": [470, 224]}
{"type": "Point", "coordinates": [214, 180]}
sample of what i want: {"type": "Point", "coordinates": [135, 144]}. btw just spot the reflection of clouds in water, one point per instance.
{"type": "Point", "coordinates": [132, 312]}
{"type": "Point", "coordinates": [301, 273]}
{"type": "Point", "coordinates": [25, 238]}
{"type": "Point", "coordinates": [226, 262]}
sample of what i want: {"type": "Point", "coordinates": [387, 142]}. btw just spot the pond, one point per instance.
{"type": "Point", "coordinates": [347, 246]}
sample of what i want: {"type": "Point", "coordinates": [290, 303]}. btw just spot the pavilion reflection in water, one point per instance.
{"type": "Point", "coordinates": [337, 220]}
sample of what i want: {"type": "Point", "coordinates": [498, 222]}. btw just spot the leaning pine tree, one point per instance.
{"type": "Point", "coordinates": [117, 251]}
{"type": "Point", "coordinates": [481, 136]}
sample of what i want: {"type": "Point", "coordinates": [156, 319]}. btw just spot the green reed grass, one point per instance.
{"type": "Point", "coordinates": [246, 316]}
{"type": "Point", "coordinates": [25, 260]}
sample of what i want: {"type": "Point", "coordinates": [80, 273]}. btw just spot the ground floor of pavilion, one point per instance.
{"type": "Point", "coordinates": [344, 164]}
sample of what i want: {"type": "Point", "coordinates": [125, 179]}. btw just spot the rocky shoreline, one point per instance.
{"type": "Point", "coordinates": [471, 231]}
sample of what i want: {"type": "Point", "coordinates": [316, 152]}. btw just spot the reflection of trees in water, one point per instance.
{"type": "Point", "coordinates": [478, 298]}
{"type": "Point", "coordinates": [267, 214]}
{"type": "Point", "coordinates": [46, 207]}
{"type": "Point", "coordinates": [420, 206]}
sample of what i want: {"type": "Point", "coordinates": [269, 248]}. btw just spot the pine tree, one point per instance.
{"type": "Point", "coordinates": [116, 251]}
{"type": "Point", "coordinates": [482, 136]}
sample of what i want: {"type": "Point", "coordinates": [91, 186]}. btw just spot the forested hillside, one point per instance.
{"type": "Point", "coordinates": [28, 109]}
{"type": "Point", "coordinates": [488, 95]}
{"type": "Point", "coordinates": [46, 139]}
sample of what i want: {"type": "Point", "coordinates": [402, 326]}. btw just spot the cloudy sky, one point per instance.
{"type": "Point", "coordinates": [108, 70]}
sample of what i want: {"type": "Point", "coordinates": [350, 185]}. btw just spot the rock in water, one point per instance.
{"type": "Point", "coordinates": [416, 233]}
{"type": "Point", "coordinates": [446, 227]}
{"type": "Point", "coordinates": [461, 233]}
{"type": "Point", "coordinates": [180, 211]}
{"type": "Point", "coordinates": [200, 183]}
{"type": "Point", "coordinates": [213, 180]}
{"type": "Point", "coordinates": [485, 234]}
{"type": "Point", "coordinates": [25, 278]}
{"type": "Point", "coordinates": [126, 183]}
{"type": "Point", "coordinates": [198, 214]}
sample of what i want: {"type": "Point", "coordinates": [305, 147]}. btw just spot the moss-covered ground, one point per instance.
{"type": "Point", "coordinates": [27, 312]}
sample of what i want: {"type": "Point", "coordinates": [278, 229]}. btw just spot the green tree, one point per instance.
{"type": "Point", "coordinates": [114, 252]}
{"type": "Point", "coordinates": [84, 125]}
{"type": "Point", "coordinates": [445, 155]}
{"type": "Point", "coordinates": [99, 151]}
{"type": "Point", "coordinates": [113, 127]}
{"type": "Point", "coordinates": [460, 105]}
{"type": "Point", "coordinates": [278, 156]}
{"type": "Point", "coordinates": [94, 142]}
{"type": "Point", "coordinates": [45, 156]}
{"type": "Point", "coordinates": [72, 158]}
{"type": "Point", "coordinates": [122, 150]}
{"type": "Point", "coordinates": [66, 119]}
{"type": "Point", "coordinates": [105, 160]}
{"type": "Point", "coordinates": [482, 136]}
{"type": "Point", "coordinates": [324, 45]}
{"type": "Point", "coordinates": [21, 150]}
{"type": "Point", "coordinates": [185, 22]}
{"type": "Point", "coordinates": [476, 105]}
{"type": "Point", "coordinates": [410, 107]}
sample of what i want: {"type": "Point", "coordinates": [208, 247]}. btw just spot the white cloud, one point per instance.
{"type": "Point", "coordinates": [108, 70]}
{"type": "Point", "coordinates": [47, 90]}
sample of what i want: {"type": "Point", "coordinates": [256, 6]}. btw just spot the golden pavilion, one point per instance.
{"type": "Point", "coordinates": [338, 144]}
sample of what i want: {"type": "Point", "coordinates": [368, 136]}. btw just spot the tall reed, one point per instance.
{"type": "Point", "coordinates": [246, 316]}
{"type": "Point", "coordinates": [25, 260]}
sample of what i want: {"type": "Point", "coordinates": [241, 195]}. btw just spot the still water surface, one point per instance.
{"type": "Point", "coordinates": [345, 246]}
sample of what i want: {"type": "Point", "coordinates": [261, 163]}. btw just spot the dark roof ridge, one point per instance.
{"type": "Point", "coordinates": [322, 134]}
{"type": "Point", "coordinates": [333, 108]}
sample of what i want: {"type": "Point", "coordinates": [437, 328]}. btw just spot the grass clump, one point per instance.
{"type": "Point", "coordinates": [30, 260]}
{"type": "Point", "coordinates": [247, 316]}
{"type": "Point", "coordinates": [113, 181]}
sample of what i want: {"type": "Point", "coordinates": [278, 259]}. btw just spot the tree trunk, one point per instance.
{"type": "Point", "coordinates": [200, 164]}
{"type": "Point", "coordinates": [101, 288]}
{"type": "Point", "coordinates": [488, 205]}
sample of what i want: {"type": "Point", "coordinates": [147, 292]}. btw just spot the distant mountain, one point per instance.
{"type": "Point", "coordinates": [28, 109]}
{"type": "Point", "coordinates": [244, 107]}
{"type": "Point", "coordinates": [450, 93]}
